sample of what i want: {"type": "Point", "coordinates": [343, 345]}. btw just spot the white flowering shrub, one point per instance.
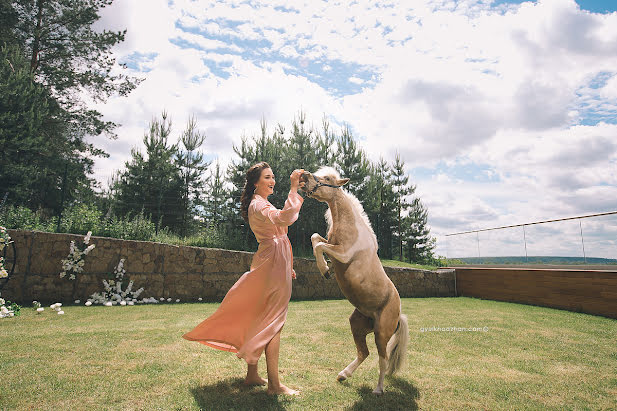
{"type": "Point", "coordinates": [3, 272]}
{"type": "Point", "coordinates": [114, 291]}
{"type": "Point", "coordinates": [115, 294]}
{"type": "Point", "coordinates": [37, 307]}
{"type": "Point", "coordinates": [5, 240]}
{"type": "Point", "coordinates": [8, 309]}
{"type": "Point", "coordinates": [57, 307]}
{"type": "Point", "coordinates": [74, 262]}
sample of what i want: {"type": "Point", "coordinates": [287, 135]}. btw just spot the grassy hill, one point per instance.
{"type": "Point", "coordinates": [549, 260]}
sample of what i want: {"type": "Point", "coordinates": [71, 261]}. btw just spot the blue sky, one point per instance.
{"type": "Point", "coordinates": [594, 6]}
{"type": "Point", "coordinates": [505, 112]}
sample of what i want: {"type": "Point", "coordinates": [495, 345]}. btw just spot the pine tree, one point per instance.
{"type": "Point", "coordinates": [8, 21]}
{"type": "Point", "coordinates": [325, 151]}
{"type": "Point", "coordinates": [236, 175]}
{"type": "Point", "coordinates": [402, 189]}
{"type": "Point", "coordinates": [192, 167]}
{"type": "Point", "coordinates": [152, 183]}
{"type": "Point", "coordinates": [24, 110]}
{"type": "Point", "coordinates": [37, 146]}
{"type": "Point", "coordinates": [68, 56]}
{"type": "Point", "coordinates": [51, 56]}
{"type": "Point", "coordinates": [383, 203]}
{"type": "Point", "coordinates": [419, 243]}
{"type": "Point", "coordinates": [352, 163]}
{"type": "Point", "coordinates": [302, 151]}
{"type": "Point", "coordinates": [217, 197]}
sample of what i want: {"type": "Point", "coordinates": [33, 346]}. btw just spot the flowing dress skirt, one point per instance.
{"type": "Point", "coordinates": [255, 308]}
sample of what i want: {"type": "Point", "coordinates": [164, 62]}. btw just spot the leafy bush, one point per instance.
{"type": "Point", "coordinates": [441, 261]}
{"type": "Point", "coordinates": [137, 228]}
{"type": "Point", "coordinates": [223, 236]}
{"type": "Point", "coordinates": [208, 236]}
{"type": "Point", "coordinates": [80, 219]}
{"type": "Point", "coordinates": [9, 309]}
{"type": "Point", "coordinates": [22, 218]}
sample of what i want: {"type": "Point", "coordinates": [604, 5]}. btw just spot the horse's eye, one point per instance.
{"type": "Point", "coordinates": [328, 178]}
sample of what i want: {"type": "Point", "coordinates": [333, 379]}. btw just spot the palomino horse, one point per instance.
{"type": "Point", "coordinates": [352, 249]}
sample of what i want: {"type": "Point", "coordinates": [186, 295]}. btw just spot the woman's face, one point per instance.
{"type": "Point", "coordinates": [266, 182]}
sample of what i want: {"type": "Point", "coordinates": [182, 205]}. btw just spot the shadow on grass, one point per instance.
{"type": "Point", "coordinates": [398, 394]}
{"type": "Point", "coordinates": [232, 394]}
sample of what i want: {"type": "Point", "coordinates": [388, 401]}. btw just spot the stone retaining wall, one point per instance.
{"type": "Point", "coordinates": [177, 272]}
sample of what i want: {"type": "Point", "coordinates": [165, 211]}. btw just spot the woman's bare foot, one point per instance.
{"type": "Point", "coordinates": [255, 381]}
{"type": "Point", "coordinates": [281, 389]}
{"type": "Point", "coordinates": [252, 376]}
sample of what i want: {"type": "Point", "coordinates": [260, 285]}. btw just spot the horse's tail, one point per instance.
{"type": "Point", "coordinates": [397, 347]}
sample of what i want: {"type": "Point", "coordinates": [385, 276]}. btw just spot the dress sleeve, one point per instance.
{"type": "Point", "coordinates": [285, 217]}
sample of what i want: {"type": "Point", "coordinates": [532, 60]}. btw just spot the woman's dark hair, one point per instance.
{"type": "Point", "coordinates": [252, 177]}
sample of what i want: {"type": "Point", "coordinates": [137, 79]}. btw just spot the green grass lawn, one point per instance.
{"type": "Point", "coordinates": [135, 358]}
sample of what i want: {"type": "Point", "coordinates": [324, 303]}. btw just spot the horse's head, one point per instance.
{"type": "Point", "coordinates": [323, 184]}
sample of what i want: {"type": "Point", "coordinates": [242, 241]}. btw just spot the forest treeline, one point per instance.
{"type": "Point", "coordinates": [182, 192]}
{"type": "Point", "coordinates": [168, 189]}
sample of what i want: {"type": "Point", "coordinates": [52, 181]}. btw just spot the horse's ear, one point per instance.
{"type": "Point", "coordinates": [342, 181]}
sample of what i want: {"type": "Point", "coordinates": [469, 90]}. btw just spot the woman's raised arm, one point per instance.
{"type": "Point", "coordinates": [289, 214]}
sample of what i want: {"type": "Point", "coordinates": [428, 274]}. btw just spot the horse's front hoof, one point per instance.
{"type": "Point", "coordinates": [326, 275]}
{"type": "Point", "coordinates": [341, 378]}
{"type": "Point", "coordinates": [377, 391]}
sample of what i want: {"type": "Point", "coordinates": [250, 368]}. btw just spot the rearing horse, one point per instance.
{"type": "Point", "coordinates": [352, 249]}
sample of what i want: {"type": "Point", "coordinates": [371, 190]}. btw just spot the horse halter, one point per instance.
{"type": "Point", "coordinates": [320, 184]}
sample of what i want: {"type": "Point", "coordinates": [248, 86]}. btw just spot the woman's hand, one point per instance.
{"type": "Point", "coordinates": [295, 179]}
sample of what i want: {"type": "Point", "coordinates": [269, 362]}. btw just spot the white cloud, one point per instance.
{"type": "Point", "coordinates": [609, 91]}
{"type": "Point", "coordinates": [356, 80]}
{"type": "Point", "coordinates": [288, 51]}
{"type": "Point", "coordinates": [207, 44]}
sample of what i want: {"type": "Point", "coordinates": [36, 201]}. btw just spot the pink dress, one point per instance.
{"type": "Point", "coordinates": [255, 308]}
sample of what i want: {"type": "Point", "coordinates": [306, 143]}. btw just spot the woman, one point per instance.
{"type": "Point", "coordinates": [252, 314]}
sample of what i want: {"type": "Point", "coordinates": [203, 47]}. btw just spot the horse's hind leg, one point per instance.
{"type": "Point", "coordinates": [361, 325]}
{"type": "Point", "coordinates": [385, 326]}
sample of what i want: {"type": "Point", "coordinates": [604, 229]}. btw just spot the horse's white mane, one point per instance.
{"type": "Point", "coordinates": [331, 172]}
{"type": "Point", "coordinates": [327, 171]}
